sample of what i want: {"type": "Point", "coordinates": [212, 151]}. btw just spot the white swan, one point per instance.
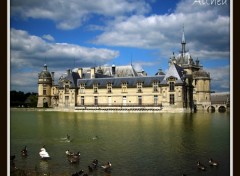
{"type": "Point", "coordinates": [43, 153]}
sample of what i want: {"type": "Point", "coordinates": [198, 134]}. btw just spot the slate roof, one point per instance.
{"type": "Point", "coordinates": [201, 73]}
{"type": "Point", "coordinates": [220, 97]}
{"type": "Point", "coordinates": [45, 73]}
{"type": "Point", "coordinates": [174, 71]}
{"type": "Point", "coordinates": [70, 76]}
{"type": "Point", "coordinates": [121, 71]}
{"type": "Point", "coordinates": [117, 82]}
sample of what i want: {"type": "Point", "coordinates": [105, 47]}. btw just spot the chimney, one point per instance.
{"type": "Point", "coordinates": [92, 73]}
{"type": "Point", "coordinates": [80, 72]}
{"type": "Point", "coordinates": [113, 70]}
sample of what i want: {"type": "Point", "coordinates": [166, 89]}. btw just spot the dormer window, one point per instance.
{"type": "Point", "coordinates": [171, 86]}
{"type": "Point", "coordinates": [82, 88]}
{"type": "Point", "coordinates": [139, 87]}
{"type": "Point", "coordinates": [95, 88]}
{"type": "Point", "coordinates": [155, 86]}
{"type": "Point", "coordinates": [124, 87]}
{"type": "Point", "coordinates": [109, 87]}
{"type": "Point", "coordinates": [66, 88]}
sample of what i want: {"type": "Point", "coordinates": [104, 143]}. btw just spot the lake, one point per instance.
{"type": "Point", "coordinates": [137, 144]}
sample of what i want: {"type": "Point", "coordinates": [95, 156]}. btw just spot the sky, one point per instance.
{"type": "Point", "coordinates": [84, 33]}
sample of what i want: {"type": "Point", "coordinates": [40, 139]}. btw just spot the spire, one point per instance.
{"type": "Point", "coordinates": [45, 67]}
{"type": "Point", "coordinates": [183, 36]}
{"type": "Point", "coordinates": [183, 43]}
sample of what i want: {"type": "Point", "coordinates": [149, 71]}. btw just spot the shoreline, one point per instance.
{"type": "Point", "coordinates": [109, 110]}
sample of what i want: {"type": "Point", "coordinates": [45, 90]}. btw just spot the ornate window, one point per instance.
{"type": "Point", "coordinates": [109, 87]}
{"type": "Point", "coordinates": [66, 88]}
{"type": "Point", "coordinates": [171, 98]}
{"type": "Point", "coordinates": [124, 87]}
{"type": "Point", "coordinates": [140, 100]}
{"type": "Point", "coordinates": [171, 86]}
{"type": "Point", "coordinates": [82, 88]}
{"type": "Point", "coordinates": [155, 86]}
{"type": "Point", "coordinates": [95, 100]}
{"type": "Point", "coordinates": [139, 87]}
{"type": "Point", "coordinates": [155, 100]}
{"type": "Point", "coordinates": [95, 88]}
{"type": "Point", "coordinates": [82, 100]}
{"type": "Point", "coordinates": [44, 92]}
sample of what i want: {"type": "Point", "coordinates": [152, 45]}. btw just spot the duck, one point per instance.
{"type": "Point", "coordinates": [74, 158]}
{"type": "Point", "coordinates": [43, 153]}
{"type": "Point", "coordinates": [68, 153]}
{"type": "Point", "coordinates": [24, 151]}
{"type": "Point", "coordinates": [107, 167]}
{"type": "Point", "coordinates": [201, 166]}
{"type": "Point", "coordinates": [95, 163]}
{"type": "Point", "coordinates": [212, 163]}
{"type": "Point", "coordinates": [95, 137]}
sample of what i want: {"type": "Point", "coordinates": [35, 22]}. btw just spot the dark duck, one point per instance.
{"type": "Point", "coordinates": [74, 158]}
{"type": "Point", "coordinates": [212, 163]}
{"type": "Point", "coordinates": [95, 164]}
{"type": "Point", "coordinates": [24, 151]}
{"type": "Point", "coordinates": [201, 166]}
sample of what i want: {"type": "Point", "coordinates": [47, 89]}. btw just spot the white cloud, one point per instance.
{"type": "Point", "coordinates": [29, 52]}
{"type": "Point", "coordinates": [220, 78]}
{"type": "Point", "coordinates": [206, 31]}
{"type": "Point", "coordinates": [72, 13]}
{"type": "Point", "coordinates": [28, 49]}
{"type": "Point", "coordinates": [48, 37]}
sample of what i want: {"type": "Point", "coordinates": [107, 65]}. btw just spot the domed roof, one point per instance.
{"type": "Point", "coordinates": [160, 72]}
{"type": "Point", "coordinates": [201, 73]}
{"type": "Point", "coordinates": [44, 73]}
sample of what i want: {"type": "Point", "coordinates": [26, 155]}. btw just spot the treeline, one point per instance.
{"type": "Point", "coordinates": [21, 99]}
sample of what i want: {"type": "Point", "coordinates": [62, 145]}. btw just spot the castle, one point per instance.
{"type": "Point", "coordinates": [185, 86]}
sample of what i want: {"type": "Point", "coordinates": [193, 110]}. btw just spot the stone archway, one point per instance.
{"type": "Point", "coordinates": [222, 109]}
{"type": "Point", "coordinates": [211, 109]}
{"type": "Point", "coordinates": [45, 103]}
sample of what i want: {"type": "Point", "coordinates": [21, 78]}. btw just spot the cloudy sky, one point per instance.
{"type": "Point", "coordinates": [79, 33]}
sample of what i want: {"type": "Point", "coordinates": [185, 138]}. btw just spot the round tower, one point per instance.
{"type": "Point", "coordinates": [44, 88]}
{"type": "Point", "coordinates": [201, 83]}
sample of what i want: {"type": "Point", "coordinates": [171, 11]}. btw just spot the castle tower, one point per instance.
{"type": "Point", "coordinates": [44, 88]}
{"type": "Point", "coordinates": [202, 89]}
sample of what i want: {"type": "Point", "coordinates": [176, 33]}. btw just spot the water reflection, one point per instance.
{"type": "Point", "coordinates": [43, 166]}
{"type": "Point", "coordinates": [133, 142]}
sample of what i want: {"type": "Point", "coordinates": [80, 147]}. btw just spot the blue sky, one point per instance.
{"type": "Point", "coordinates": [80, 33]}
